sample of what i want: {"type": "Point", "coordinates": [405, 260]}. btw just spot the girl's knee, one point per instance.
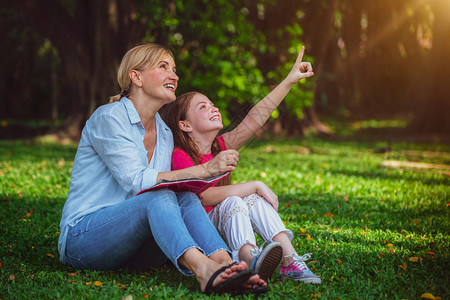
{"type": "Point", "coordinates": [234, 201]}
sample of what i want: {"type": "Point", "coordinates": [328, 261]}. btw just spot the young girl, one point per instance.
{"type": "Point", "coordinates": [238, 210]}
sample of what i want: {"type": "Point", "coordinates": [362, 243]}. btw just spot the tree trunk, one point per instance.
{"type": "Point", "coordinates": [318, 27]}
{"type": "Point", "coordinates": [90, 56]}
{"type": "Point", "coordinates": [321, 43]}
{"type": "Point", "coordinates": [350, 69]}
{"type": "Point", "coordinates": [433, 115]}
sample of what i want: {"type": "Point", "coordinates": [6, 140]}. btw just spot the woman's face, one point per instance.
{"type": "Point", "coordinates": [202, 115]}
{"type": "Point", "coordinates": [161, 82]}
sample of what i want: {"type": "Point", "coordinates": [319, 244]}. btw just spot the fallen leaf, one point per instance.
{"type": "Point", "coordinates": [427, 296]}
{"type": "Point", "coordinates": [12, 277]}
{"type": "Point", "coordinates": [338, 261]}
{"type": "Point", "coordinates": [414, 259]}
{"type": "Point", "coordinates": [97, 283]}
{"type": "Point", "coordinates": [403, 266]}
{"type": "Point", "coordinates": [430, 253]}
{"type": "Point", "coordinates": [313, 262]}
{"type": "Point", "coordinates": [389, 245]}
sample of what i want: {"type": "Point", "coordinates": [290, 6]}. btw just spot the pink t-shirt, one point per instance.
{"type": "Point", "coordinates": [181, 160]}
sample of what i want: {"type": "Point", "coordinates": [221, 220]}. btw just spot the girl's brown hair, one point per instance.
{"type": "Point", "coordinates": [176, 111]}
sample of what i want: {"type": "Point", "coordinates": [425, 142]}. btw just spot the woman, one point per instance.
{"type": "Point", "coordinates": [126, 147]}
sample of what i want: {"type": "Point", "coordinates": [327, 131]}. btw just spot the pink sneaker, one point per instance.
{"type": "Point", "coordinates": [266, 260]}
{"type": "Point", "coordinates": [299, 271]}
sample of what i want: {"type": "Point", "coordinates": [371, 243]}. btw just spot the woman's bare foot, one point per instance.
{"type": "Point", "coordinates": [204, 268]}
{"type": "Point", "coordinates": [204, 275]}
{"type": "Point", "coordinates": [254, 282]}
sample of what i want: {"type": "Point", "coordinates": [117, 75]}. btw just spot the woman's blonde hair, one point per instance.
{"type": "Point", "coordinates": [138, 58]}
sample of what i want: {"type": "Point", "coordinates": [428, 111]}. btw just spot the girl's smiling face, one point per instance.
{"type": "Point", "coordinates": [202, 116]}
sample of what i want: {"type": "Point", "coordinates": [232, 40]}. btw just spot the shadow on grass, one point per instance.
{"type": "Point", "coordinates": [395, 175]}
{"type": "Point", "coordinates": [36, 151]}
{"type": "Point", "coordinates": [29, 252]}
{"type": "Point", "coordinates": [357, 213]}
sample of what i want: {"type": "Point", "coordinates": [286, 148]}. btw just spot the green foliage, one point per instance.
{"type": "Point", "coordinates": [216, 52]}
{"type": "Point", "coordinates": [374, 232]}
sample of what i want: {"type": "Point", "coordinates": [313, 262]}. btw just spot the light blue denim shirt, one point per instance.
{"type": "Point", "coordinates": [111, 163]}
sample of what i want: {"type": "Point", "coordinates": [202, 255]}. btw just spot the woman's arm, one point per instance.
{"type": "Point", "coordinates": [261, 112]}
{"type": "Point", "coordinates": [215, 195]}
{"type": "Point", "coordinates": [223, 162]}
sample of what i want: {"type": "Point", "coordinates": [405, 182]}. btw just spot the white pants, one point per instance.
{"type": "Point", "coordinates": [238, 219]}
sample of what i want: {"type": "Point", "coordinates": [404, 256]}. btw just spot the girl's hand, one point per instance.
{"type": "Point", "coordinates": [300, 69]}
{"type": "Point", "coordinates": [263, 190]}
{"type": "Point", "coordinates": [223, 162]}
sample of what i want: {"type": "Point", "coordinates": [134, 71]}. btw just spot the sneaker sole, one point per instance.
{"type": "Point", "coordinates": [270, 259]}
{"type": "Point", "coordinates": [305, 280]}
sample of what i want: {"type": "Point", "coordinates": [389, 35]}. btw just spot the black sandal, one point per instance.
{"type": "Point", "coordinates": [231, 285]}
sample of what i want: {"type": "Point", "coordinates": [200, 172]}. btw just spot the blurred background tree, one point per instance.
{"type": "Point", "coordinates": [372, 59]}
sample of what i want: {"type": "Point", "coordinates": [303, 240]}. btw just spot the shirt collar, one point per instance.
{"type": "Point", "coordinates": [131, 110]}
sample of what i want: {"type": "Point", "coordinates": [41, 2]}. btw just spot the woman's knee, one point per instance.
{"type": "Point", "coordinates": [159, 199]}
{"type": "Point", "coordinates": [187, 199]}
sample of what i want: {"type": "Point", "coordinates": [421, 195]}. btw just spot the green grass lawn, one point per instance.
{"type": "Point", "coordinates": [373, 232]}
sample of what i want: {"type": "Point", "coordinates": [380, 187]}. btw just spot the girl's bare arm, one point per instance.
{"type": "Point", "coordinates": [261, 112]}
{"type": "Point", "coordinates": [215, 195]}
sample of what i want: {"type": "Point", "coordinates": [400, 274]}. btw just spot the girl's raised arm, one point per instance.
{"type": "Point", "coordinates": [261, 112]}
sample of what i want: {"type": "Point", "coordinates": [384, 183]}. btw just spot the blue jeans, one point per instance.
{"type": "Point", "coordinates": [142, 232]}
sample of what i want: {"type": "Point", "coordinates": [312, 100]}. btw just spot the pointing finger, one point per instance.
{"type": "Point", "coordinates": [300, 56]}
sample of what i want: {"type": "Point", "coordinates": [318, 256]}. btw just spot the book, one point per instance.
{"type": "Point", "coordinates": [195, 185]}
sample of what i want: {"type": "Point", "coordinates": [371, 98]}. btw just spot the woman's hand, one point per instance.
{"type": "Point", "coordinates": [223, 162]}
{"type": "Point", "coordinates": [300, 69]}
{"type": "Point", "coordinates": [263, 190]}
